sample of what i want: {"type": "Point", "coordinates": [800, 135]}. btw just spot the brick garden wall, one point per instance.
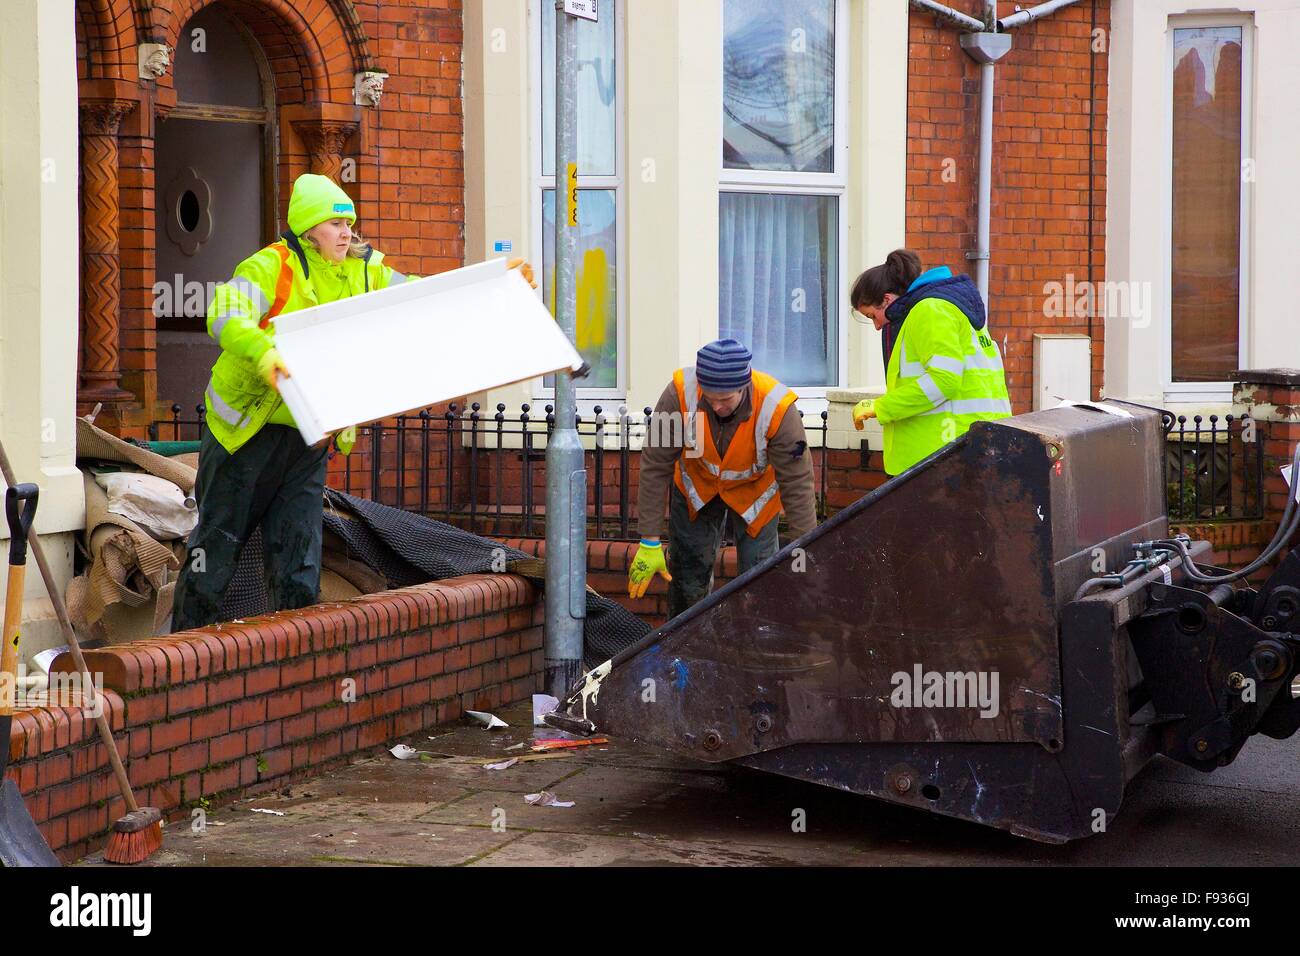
{"type": "Point", "coordinates": [240, 708]}
{"type": "Point", "coordinates": [607, 564]}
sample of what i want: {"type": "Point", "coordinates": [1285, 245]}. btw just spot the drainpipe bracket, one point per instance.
{"type": "Point", "coordinates": [986, 47]}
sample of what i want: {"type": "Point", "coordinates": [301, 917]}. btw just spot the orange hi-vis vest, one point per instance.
{"type": "Point", "coordinates": [744, 478]}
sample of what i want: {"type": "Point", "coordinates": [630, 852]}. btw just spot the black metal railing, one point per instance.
{"type": "Point", "coordinates": [1214, 468]}
{"type": "Point", "coordinates": [486, 471]}
{"type": "Point", "coordinates": [177, 428]}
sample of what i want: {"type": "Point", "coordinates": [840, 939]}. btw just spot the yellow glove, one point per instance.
{"type": "Point", "coordinates": [345, 439]}
{"type": "Point", "coordinates": [648, 562]}
{"type": "Point", "coordinates": [524, 268]}
{"type": "Point", "coordinates": [862, 411]}
{"type": "Point", "coordinates": [269, 366]}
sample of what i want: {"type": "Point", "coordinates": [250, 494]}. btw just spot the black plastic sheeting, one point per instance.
{"type": "Point", "coordinates": [411, 549]}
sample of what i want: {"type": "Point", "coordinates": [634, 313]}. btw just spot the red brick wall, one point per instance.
{"type": "Point", "coordinates": [410, 180]}
{"type": "Point", "coordinates": [241, 708]}
{"type": "Point", "coordinates": [417, 190]}
{"type": "Point", "coordinates": [1040, 170]}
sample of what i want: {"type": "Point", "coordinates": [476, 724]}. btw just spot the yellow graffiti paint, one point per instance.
{"type": "Point", "coordinates": [593, 299]}
{"type": "Point", "coordinates": [592, 325]}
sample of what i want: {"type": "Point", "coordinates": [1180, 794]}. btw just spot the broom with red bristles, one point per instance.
{"type": "Point", "coordinates": [139, 833]}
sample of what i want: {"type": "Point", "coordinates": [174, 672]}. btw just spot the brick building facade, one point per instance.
{"type": "Point", "coordinates": [403, 160]}
{"type": "Point", "coordinates": [400, 157]}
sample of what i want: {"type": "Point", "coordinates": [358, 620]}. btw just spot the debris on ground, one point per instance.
{"type": "Point", "coordinates": [501, 764]}
{"type": "Point", "coordinates": [274, 813]}
{"type": "Point", "coordinates": [405, 752]}
{"type": "Point", "coordinates": [559, 743]}
{"type": "Point", "coordinates": [490, 721]}
{"type": "Point", "coordinates": [546, 799]}
{"type": "Point", "coordinates": [543, 704]}
{"type": "Point", "coordinates": [528, 758]}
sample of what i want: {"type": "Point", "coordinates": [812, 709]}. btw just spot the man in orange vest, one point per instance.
{"type": "Point", "coordinates": [740, 454]}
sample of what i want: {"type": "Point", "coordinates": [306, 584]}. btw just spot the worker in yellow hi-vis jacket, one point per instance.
{"type": "Point", "coordinates": [943, 368]}
{"type": "Point", "coordinates": [254, 467]}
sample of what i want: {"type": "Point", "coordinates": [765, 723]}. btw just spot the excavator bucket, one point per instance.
{"type": "Point", "coordinates": [925, 645]}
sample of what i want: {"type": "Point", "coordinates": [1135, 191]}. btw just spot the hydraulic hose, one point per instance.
{"type": "Point", "coordinates": [1119, 579]}
{"type": "Point", "coordinates": [1178, 548]}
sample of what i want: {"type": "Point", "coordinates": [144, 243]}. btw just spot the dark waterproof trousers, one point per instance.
{"type": "Point", "coordinates": [274, 480]}
{"type": "Point", "coordinates": [693, 548]}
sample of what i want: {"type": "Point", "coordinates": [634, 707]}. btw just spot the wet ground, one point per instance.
{"type": "Point", "coordinates": [635, 807]}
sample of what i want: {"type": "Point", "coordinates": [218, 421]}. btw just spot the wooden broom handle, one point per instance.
{"type": "Point", "coordinates": [87, 685]}
{"type": "Point", "coordinates": [9, 653]}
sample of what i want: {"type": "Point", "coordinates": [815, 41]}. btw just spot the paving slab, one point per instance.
{"type": "Point", "coordinates": [545, 849]}
{"type": "Point", "coordinates": [604, 798]}
{"type": "Point", "coordinates": [285, 841]}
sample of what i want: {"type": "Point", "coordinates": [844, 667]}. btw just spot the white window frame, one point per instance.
{"type": "Point", "coordinates": [587, 397]}
{"type": "Point", "coordinates": [1207, 392]}
{"type": "Point", "coordinates": [812, 398]}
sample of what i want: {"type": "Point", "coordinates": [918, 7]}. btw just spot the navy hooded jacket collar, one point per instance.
{"type": "Point", "coordinates": [937, 283]}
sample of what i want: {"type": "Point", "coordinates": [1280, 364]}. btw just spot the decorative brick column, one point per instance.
{"type": "Point", "coordinates": [101, 262]}
{"type": "Point", "coordinates": [1271, 397]}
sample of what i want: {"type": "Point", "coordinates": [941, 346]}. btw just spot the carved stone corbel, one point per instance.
{"type": "Point", "coordinates": [153, 60]}
{"type": "Point", "coordinates": [325, 141]}
{"type": "Point", "coordinates": [368, 88]}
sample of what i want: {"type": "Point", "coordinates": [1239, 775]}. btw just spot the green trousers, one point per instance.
{"type": "Point", "coordinates": [693, 548]}
{"type": "Point", "coordinates": [274, 480]}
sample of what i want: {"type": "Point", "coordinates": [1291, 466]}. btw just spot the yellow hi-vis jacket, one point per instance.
{"type": "Point", "coordinates": [743, 477]}
{"type": "Point", "coordinates": [241, 317]}
{"type": "Point", "coordinates": [942, 376]}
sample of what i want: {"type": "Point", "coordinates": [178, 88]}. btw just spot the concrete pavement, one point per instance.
{"type": "Point", "coordinates": [636, 807]}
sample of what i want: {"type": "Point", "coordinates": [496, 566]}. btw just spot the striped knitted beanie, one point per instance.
{"type": "Point", "coordinates": [723, 366]}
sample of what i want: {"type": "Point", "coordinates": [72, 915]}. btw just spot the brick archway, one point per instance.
{"type": "Point", "coordinates": [106, 38]}
{"type": "Point", "coordinates": [305, 38]}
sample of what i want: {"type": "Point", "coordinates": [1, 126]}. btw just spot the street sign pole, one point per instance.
{"type": "Point", "coordinates": [566, 476]}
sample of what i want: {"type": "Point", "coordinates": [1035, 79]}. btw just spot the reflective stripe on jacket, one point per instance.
{"type": "Point", "coordinates": [743, 477]}
{"type": "Point", "coordinates": [241, 318]}
{"type": "Point", "coordinates": [943, 376]}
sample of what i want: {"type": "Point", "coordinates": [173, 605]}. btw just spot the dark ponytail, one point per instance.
{"type": "Point", "coordinates": [898, 272]}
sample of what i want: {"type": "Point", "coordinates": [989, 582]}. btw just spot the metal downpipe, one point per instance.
{"type": "Point", "coordinates": [985, 213]}
{"type": "Point", "coordinates": [955, 17]}
{"type": "Point", "coordinates": [1020, 18]}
